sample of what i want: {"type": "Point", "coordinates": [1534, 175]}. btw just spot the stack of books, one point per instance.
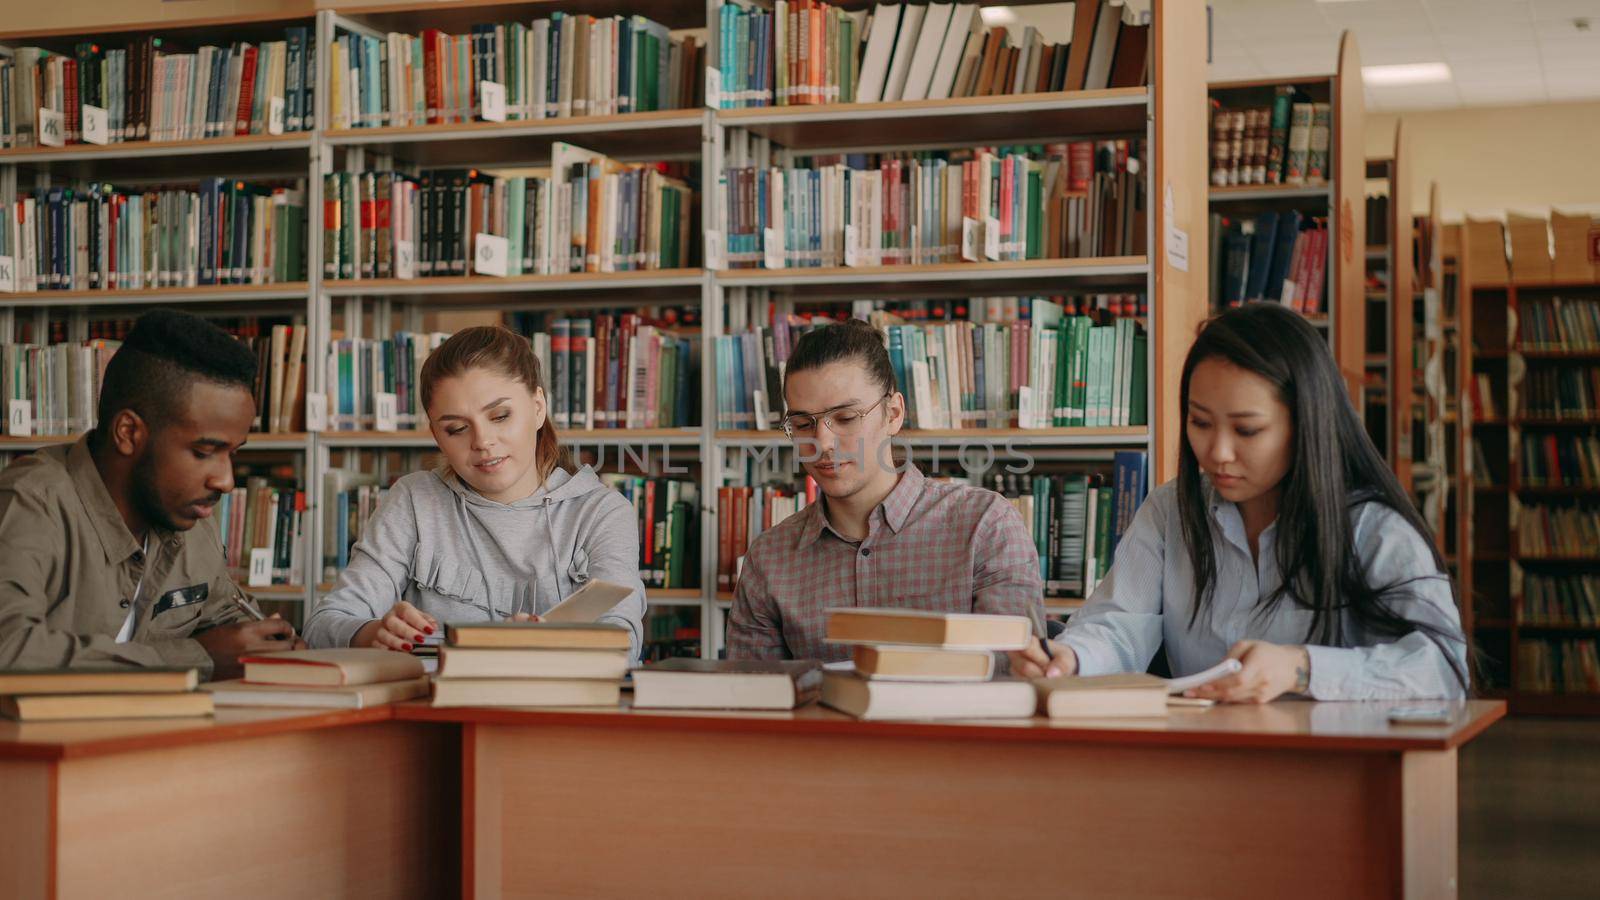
{"type": "Point", "coordinates": [914, 664]}
{"type": "Point", "coordinates": [531, 664]}
{"type": "Point", "coordinates": [346, 678]}
{"type": "Point", "coordinates": [52, 695]}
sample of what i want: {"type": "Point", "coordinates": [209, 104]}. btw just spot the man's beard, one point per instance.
{"type": "Point", "coordinates": [146, 500]}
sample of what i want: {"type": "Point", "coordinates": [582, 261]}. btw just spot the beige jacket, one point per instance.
{"type": "Point", "coordinates": [69, 567]}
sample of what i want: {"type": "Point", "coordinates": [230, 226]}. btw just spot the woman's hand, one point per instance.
{"type": "Point", "coordinates": [401, 628]}
{"type": "Point", "coordinates": [1031, 662]}
{"type": "Point", "coordinates": [1270, 671]}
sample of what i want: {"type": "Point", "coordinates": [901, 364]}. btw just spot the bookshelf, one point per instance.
{"type": "Point", "coordinates": [1510, 357]}
{"type": "Point", "coordinates": [1337, 200]}
{"type": "Point", "coordinates": [1168, 114]}
{"type": "Point", "coordinates": [1389, 399]}
{"type": "Point", "coordinates": [1430, 360]}
{"type": "Point", "coordinates": [1456, 323]}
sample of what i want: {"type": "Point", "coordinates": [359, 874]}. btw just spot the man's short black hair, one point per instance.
{"type": "Point", "coordinates": [850, 341]}
{"type": "Point", "coordinates": [161, 357]}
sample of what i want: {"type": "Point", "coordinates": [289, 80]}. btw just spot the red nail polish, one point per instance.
{"type": "Point", "coordinates": [407, 648]}
{"type": "Point", "coordinates": [430, 631]}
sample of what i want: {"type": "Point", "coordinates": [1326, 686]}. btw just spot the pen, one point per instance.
{"type": "Point", "coordinates": [1045, 646]}
{"type": "Point", "coordinates": [248, 608]}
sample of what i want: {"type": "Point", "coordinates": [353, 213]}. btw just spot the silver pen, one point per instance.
{"type": "Point", "coordinates": [250, 609]}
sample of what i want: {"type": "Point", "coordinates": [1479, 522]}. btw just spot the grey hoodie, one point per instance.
{"type": "Point", "coordinates": [461, 557]}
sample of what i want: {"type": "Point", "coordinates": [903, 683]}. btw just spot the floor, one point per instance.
{"type": "Point", "coordinates": [1530, 810]}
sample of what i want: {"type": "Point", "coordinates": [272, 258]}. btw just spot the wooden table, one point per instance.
{"type": "Point", "coordinates": [1289, 799]}
{"type": "Point", "coordinates": [253, 803]}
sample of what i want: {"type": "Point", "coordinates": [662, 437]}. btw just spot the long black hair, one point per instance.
{"type": "Point", "coordinates": [1334, 469]}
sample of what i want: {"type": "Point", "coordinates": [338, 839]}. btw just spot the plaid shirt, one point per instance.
{"type": "Point", "coordinates": [929, 545]}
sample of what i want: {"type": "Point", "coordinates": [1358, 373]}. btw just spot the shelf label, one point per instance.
{"type": "Point", "coordinates": [405, 259]}
{"type": "Point", "coordinates": [52, 132]}
{"type": "Point", "coordinates": [772, 247]}
{"type": "Point", "coordinates": [260, 567]}
{"type": "Point", "coordinates": [19, 418]}
{"type": "Point", "coordinates": [274, 115]}
{"type": "Point", "coordinates": [316, 412]}
{"type": "Point", "coordinates": [384, 412]}
{"type": "Point", "coordinates": [490, 253]}
{"type": "Point", "coordinates": [714, 250]}
{"type": "Point", "coordinates": [492, 101]}
{"type": "Point", "coordinates": [991, 238]}
{"type": "Point", "coordinates": [969, 239]}
{"type": "Point", "coordinates": [96, 125]}
{"type": "Point", "coordinates": [713, 87]}
{"type": "Point", "coordinates": [8, 274]}
{"type": "Point", "coordinates": [1177, 247]}
{"type": "Point", "coordinates": [852, 253]}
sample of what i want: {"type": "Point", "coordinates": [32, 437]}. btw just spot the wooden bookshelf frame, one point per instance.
{"type": "Point", "coordinates": [1401, 312]}
{"type": "Point", "coordinates": [1169, 114]}
{"type": "Point", "coordinates": [1487, 297]}
{"type": "Point", "coordinates": [1341, 198]}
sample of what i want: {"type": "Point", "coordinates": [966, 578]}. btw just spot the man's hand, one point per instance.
{"type": "Point", "coordinates": [226, 643]}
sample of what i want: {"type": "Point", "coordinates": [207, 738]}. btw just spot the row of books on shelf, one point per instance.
{"type": "Point", "coordinates": [61, 381]}
{"type": "Point", "coordinates": [565, 65]}
{"type": "Point", "coordinates": [1562, 392]}
{"type": "Point", "coordinates": [359, 370]}
{"type": "Point", "coordinates": [1054, 370]}
{"type": "Point", "coordinates": [1482, 397]}
{"type": "Point", "coordinates": [744, 512]}
{"type": "Point", "coordinates": [106, 238]}
{"type": "Point", "coordinates": [1545, 530]}
{"type": "Point", "coordinates": [1558, 324]}
{"type": "Point", "coordinates": [584, 213]}
{"type": "Point", "coordinates": [670, 632]}
{"type": "Point", "coordinates": [1274, 256]}
{"type": "Point", "coordinates": [1550, 599]}
{"type": "Point", "coordinates": [267, 513]}
{"type": "Point", "coordinates": [151, 90]}
{"type": "Point", "coordinates": [1076, 520]}
{"type": "Point", "coordinates": [1059, 201]}
{"type": "Point", "coordinates": [1482, 474]}
{"type": "Point", "coordinates": [1285, 143]}
{"type": "Point", "coordinates": [669, 528]}
{"type": "Point", "coordinates": [1563, 667]}
{"type": "Point", "coordinates": [619, 371]}
{"type": "Point", "coordinates": [1561, 460]}
{"type": "Point", "coordinates": [804, 52]}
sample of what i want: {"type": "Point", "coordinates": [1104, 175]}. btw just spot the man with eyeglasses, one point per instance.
{"type": "Point", "coordinates": [882, 534]}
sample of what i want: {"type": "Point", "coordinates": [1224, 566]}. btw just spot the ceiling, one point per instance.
{"type": "Point", "coordinates": [1500, 52]}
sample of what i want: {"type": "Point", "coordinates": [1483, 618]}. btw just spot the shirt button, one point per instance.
{"type": "Point", "coordinates": [123, 604]}
{"type": "Point", "coordinates": [865, 552]}
{"type": "Point", "coordinates": [138, 556]}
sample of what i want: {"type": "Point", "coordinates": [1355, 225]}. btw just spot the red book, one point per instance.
{"type": "Point", "coordinates": [1080, 165]}
{"type": "Point", "coordinates": [432, 89]}
{"type": "Point", "coordinates": [1008, 172]}
{"type": "Point", "coordinates": [724, 538]}
{"type": "Point", "coordinates": [247, 85]}
{"type": "Point", "coordinates": [1318, 270]}
{"type": "Point", "coordinates": [625, 332]}
{"type": "Point", "coordinates": [604, 375]}
{"type": "Point", "coordinates": [74, 111]}
{"type": "Point", "coordinates": [647, 542]}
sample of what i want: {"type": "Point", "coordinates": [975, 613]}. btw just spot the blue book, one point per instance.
{"type": "Point", "coordinates": [1131, 476]}
{"type": "Point", "coordinates": [1282, 254]}
{"type": "Point", "coordinates": [627, 91]}
{"type": "Point", "coordinates": [1261, 255]}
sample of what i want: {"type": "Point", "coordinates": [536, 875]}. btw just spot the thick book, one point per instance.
{"type": "Point", "coordinates": [965, 631]}
{"type": "Point", "coordinates": [358, 696]}
{"type": "Point", "coordinates": [63, 707]}
{"type": "Point", "coordinates": [526, 692]}
{"type": "Point", "coordinates": [341, 666]}
{"type": "Point", "coordinates": [97, 681]}
{"type": "Point", "coordinates": [511, 662]}
{"type": "Point", "coordinates": [871, 699]}
{"type": "Point", "coordinates": [893, 663]}
{"type": "Point", "coordinates": [1102, 696]}
{"type": "Point", "coordinates": [545, 635]}
{"type": "Point", "coordinates": [727, 684]}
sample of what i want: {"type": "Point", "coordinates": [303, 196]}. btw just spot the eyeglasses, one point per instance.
{"type": "Point", "coordinates": [844, 421]}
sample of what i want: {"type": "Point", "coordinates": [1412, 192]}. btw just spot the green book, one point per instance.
{"type": "Point", "coordinates": [1102, 531]}
{"type": "Point", "coordinates": [1120, 370]}
{"type": "Point", "coordinates": [1139, 390]}
{"type": "Point", "coordinates": [1035, 204]}
{"type": "Point", "coordinates": [1095, 394]}
{"type": "Point", "coordinates": [1078, 362]}
{"type": "Point", "coordinates": [516, 211]}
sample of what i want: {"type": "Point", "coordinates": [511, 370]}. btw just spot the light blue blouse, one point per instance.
{"type": "Point", "coordinates": [1149, 593]}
